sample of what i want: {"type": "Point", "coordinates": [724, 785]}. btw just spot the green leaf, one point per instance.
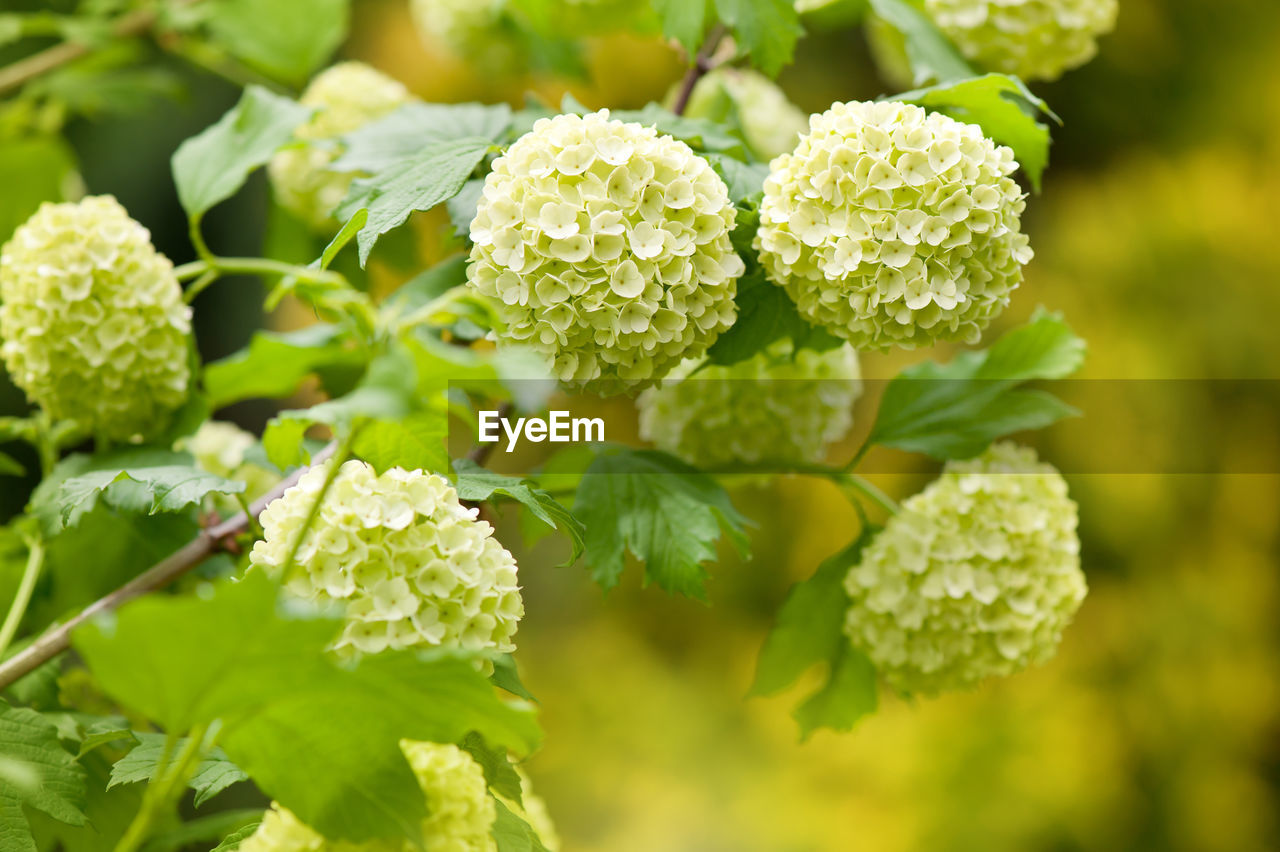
{"type": "Point", "coordinates": [513, 834]}
{"type": "Point", "coordinates": [275, 363]}
{"type": "Point", "coordinates": [506, 676]}
{"type": "Point", "coordinates": [499, 773]}
{"type": "Point", "coordinates": [319, 736]}
{"type": "Point", "coordinates": [743, 179]}
{"type": "Point", "coordinates": [932, 56]}
{"type": "Point", "coordinates": [285, 39]}
{"type": "Point", "coordinates": [403, 133]}
{"type": "Point", "coordinates": [233, 840]}
{"type": "Point", "coordinates": [766, 30]}
{"type": "Point", "coordinates": [415, 442]}
{"type": "Point", "coordinates": [810, 624]}
{"type": "Point", "coordinates": [955, 410]}
{"type": "Point", "coordinates": [213, 774]}
{"type": "Point", "coordinates": [199, 832]}
{"type": "Point", "coordinates": [463, 206]}
{"type": "Point", "coordinates": [212, 166]}
{"type": "Point", "coordinates": [666, 513]}
{"type": "Point", "coordinates": [1003, 107]}
{"type": "Point", "coordinates": [9, 466]}
{"type": "Point", "coordinates": [685, 21]}
{"type": "Point", "coordinates": [700, 134]}
{"type": "Point", "coordinates": [428, 285]}
{"type": "Point", "coordinates": [145, 482]}
{"type": "Point", "coordinates": [848, 695]}
{"type": "Point", "coordinates": [477, 484]}
{"type": "Point", "coordinates": [417, 182]}
{"type": "Point", "coordinates": [765, 314]}
{"type": "Point", "coordinates": [32, 170]}
{"type": "Point", "coordinates": [36, 773]}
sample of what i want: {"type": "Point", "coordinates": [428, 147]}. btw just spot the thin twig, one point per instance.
{"type": "Point", "coordinates": [207, 542]}
{"type": "Point", "coordinates": [701, 65]}
{"type": "Point", "coordinates": [480, 452]}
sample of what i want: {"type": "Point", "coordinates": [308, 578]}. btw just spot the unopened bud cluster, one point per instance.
{"type": "Point", "coordinates": [772, 124]}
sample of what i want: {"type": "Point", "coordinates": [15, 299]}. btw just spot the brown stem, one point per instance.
{"type": "Point", "coordinates": [701, 65]}
{"type": "Point", "coordinates": [207, 542]}
{"type": "Point", "coordinates": [18, 73]}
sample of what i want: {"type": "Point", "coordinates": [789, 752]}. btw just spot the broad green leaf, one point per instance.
{"type": "Point", "coordinates": [743, 179]}
{"type": "Point", "coordinates": [507, 676]}
{"type": "Point", "coordinates": [415, 442]}
{"type": "Point", "coordinates": [511, 372]}
{"type": "Point", "coordinates": [848, 695]}
{"type": "Point", "coordinates": [666, 513]}
{"type": "Point", "coordinates": [403, 133]}
{"type": "Point", "coordinates": [810, 624]}
{"type": "Point", "coordinates": [955, 410]}
{"type": "Point", "coordinates": [700, 134]}
{"type": "Point", "coordinates": [33, 170]}
{"type": "Point", "coordinates": [275, 363]}
{"type": "Point", "coordinates": [215, 827]}
{"type": "Point", "coordinates": [463, 206]}
{"type": "Point", "coordinates": [685, 21]}
{"type": "Point", "coordinates": [104, 731]}
{"type": "Point", "coordinates": [212, 775]}
{"type": "Point", "coordinates": [158, 482]}
{"type": "Point", "coordinates": [513, 834]}
{"type": "Point", "coordinates": [765, 314]}
{"type": "Point", "coordinates": [499, 773]}
{"type": "Point", "coordinates": [765, 30]}
{"type": "Point", "coordinates": [36, 773]}
{"type": "Point", "coordinates": [477, 484]}
{"type": "Point", "coordinates": [233, 840]}
{"type": "Point", "coordinates": [932, 56]}
{"type": "Point", "coordinates": [285, 39]}
{"type": "Point", "coordinates": [212, 166]}
{"type": "Point", "coordinates": [345, 235]}
{"type": "Point", "coordinates": [428, 285]}
{"type": "Point", "coordinates": [420, 181]}
{"type": "Point", "coordinates": [107, 814]}
{"type": "Point", "coordinates": [1003, 107]}
{"type": "Point", "coordinates": [319, 736]}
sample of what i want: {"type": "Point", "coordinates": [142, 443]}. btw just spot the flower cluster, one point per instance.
{"type": "Point", "coordinates": [606, 247]}
{"type": "Point", "coordinates": [777, 406]}
{"type": "Point", "coordinates": [772, 123]}
{"type": "Point", "coordinates": [94, 326]}
{"type": "Point", "coordinates": [460, 811]}
{"type": "Point", "coordinates": [1034, 39]}
{"type": "Point", "coordinates": [456, 24]}
{"type": "Point", "coordinates": [892, 226]}
{"type": "Point", "coordinates": [221, 448]}
{"type": "Point", "coordinates": [346, 97]}
{"type": "Point", "coordinates": [413, 566]}
{"type": "Point", "coordinates": [977, 575]}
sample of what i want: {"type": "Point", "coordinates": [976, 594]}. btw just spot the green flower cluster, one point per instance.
{"type": "Point", "coordinates": [345, 97]}
{"type": "Point", "coordinates": [606, 247]}
{"type": "Point", "coordinates": [891, 226]}
{"type": "Point", "coordinates": [460, 811]}
{"type": "Point", "coordinates": [977, 575]}
{"type": "Point", "coordinates": [777, 406]}
{"type": "Point", "coordinates": [772, 124]}
{"type": "Point", "coordinates": [1034, 39]}
{"type": "Point", "coordinates": [412, 565]}
{"type": "Point", "coordinates": [94, 326]}
{"type": "Point", "coordinates": [221, 448]}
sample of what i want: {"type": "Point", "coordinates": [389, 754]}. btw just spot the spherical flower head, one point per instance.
{"type": "Point", "coordinates": [1034, 39]}
{"type": "Point", "coordinates": [891, 226]}
{"type": "Point", "coordinates": [412, 565]}
{"type": "Point", "coordinates": [606, 247]}
{"type": "Point", "coordinates": [772, 123]}
{"type": "Point", "coordinates": [460, 811]}
{"type": "Point", "coordinates": [977, 575]}
{"type": "Point", "coordinates": [92, 318]}
{"type": "Point", "coordinates": [222, 449]}
{"type": "Point", "coordinates": [346, 97]}
{"type": "Point", "coordinates": [779, 406]}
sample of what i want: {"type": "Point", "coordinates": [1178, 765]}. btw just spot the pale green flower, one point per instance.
{"type": "Point", "coordinates": [412, 564]}
{"type": "Point", "coordinates": [773, 125]}
{"type": "Point", "coordinates": [346, 97]}
{"type": "Point", "coordinates": [977, 575]}
{"type": "Point", "coordinates": [605, 246]}
{"type": "Point", "coordinates": [890, 226]}
{"type": "Point", "coordinates": [1034, 39]}
{"type": "Point", "coordinates": [769, 408]}
{"type": "Point", "coordinates": [94, 325]}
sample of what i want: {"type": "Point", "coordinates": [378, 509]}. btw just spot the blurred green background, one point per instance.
{"type": "Point", "coordinates": [1157, 727]}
